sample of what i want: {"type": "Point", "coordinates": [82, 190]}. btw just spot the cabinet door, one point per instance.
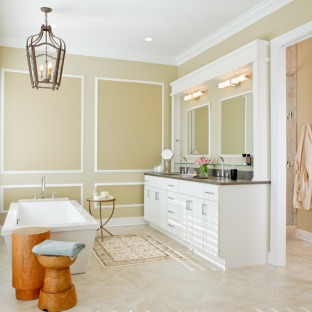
{"type": "Point", "coordinates": [158, 208]}
{"type": "Point", "coordinates": [191, 220]}
{"type": "Point", "coordinates": [198, 224]}
{"type": "Point", "coordinates": [162, 208]}
{"type": "Point", "coordinates": [210, 211]}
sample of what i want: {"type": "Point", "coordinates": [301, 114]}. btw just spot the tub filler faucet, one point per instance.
{"type": "Point", "coordinates": [42, 186]}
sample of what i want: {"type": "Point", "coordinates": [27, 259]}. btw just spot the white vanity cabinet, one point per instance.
{"type": "Point", "coordinates": [227, 223]}
{"type": "Point", "coordinates": [155, 201]}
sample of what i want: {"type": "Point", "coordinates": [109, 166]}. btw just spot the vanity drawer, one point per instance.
{"type": "Point", "coordinates": [211, 192]}
{"type": "Point", "coordinates": [157, 182]}
{"type": "Point", "coordinates": [173, 227]}
{"type": "Point", "coordinates": [172, 185]}
{"type": "Point", "coordinates": [172, 212]}
{"type": "Point", "coordinates": [194, 189]}
{"type": "Point", "coordinates": [173, 199]}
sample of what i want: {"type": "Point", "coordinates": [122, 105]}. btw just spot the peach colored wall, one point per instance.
{"type": "Point", "coordinates": [54, 129]}
{"type": "Point", "coordinates": [304, 110]}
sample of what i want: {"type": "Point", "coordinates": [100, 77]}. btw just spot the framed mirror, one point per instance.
{"type": "Point", "coordinates": [198, 130]}
{"type": "Point", "coordinates": [236, 125]}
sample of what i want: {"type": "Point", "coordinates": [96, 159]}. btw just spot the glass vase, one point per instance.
{"type": "Point", "coordinates": [203, 170]}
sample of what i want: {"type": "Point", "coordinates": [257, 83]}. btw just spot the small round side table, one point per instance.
{"type": "Point", "coordinates": [100, 201]}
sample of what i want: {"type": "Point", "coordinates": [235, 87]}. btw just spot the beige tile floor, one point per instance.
{"type": "Point", "coordinates": [188, 285]}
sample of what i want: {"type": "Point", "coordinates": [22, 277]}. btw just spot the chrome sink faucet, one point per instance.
{"type": "Point", "coordinates": [222, 165]}
{"type": "Point", "coordinates": [42, 186]}
{"type": "Point", "coordinates": [185, 161]}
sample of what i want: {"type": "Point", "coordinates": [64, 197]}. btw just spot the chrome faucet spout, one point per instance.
{"type": "Point", "coordinates": [185, 161]}
{"type": "Point", "coordinates": [42, 186]}
{"type": "Point", "coordinates": [222, 165]}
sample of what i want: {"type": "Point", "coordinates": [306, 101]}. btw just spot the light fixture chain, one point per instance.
{"type": "Point", "coordinates": [46, 46]}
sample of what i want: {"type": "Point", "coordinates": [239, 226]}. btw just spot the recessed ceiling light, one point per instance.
{"type": "Point", "coordinates": [148, 39]}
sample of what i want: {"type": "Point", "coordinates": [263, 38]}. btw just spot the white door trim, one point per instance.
{"type": "Point", "coordinates": [277, 252]}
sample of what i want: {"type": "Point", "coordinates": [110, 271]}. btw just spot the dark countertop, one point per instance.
{"type": "Point", "coordinates": [209, 180]}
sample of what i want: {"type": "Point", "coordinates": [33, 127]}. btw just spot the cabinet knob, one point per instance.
{"type": "Point", "coordinates": [210, 193]}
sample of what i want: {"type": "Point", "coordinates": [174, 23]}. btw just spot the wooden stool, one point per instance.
{"type": "Point", "coordinates": [27, 273]}
{"type": "Point", "coordinates": [58, 293]}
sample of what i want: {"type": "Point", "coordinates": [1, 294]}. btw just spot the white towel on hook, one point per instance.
{"type": "Point", "coordinates": [303, 170]}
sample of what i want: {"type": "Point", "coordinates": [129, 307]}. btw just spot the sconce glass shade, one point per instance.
{"type": "Point", "coordinates": [45, 56]}
{"type": "Point", "coordinates": [195, 95]}
{"type": "Point", "coordinates": [234, 82]}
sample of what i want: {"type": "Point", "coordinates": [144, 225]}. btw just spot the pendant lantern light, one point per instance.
{"type": "Point", "coordinates": [45, 56]}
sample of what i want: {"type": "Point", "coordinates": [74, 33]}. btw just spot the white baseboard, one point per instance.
{"type": "Point", "coordinates": [304, 235]}
{"type": "Point", "coordinates": [125, 221]}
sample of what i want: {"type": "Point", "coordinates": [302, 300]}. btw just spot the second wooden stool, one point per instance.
{"type": "Point", "coordinates": [58, 293]}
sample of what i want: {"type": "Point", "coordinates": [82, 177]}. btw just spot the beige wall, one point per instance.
{"type": "Point", "coordinates": [131, 140]}
{"type": "Point", "coordinates": [291, 16]}
{"type": "Point", "coordinates": [297, 13]}
{"type": "Point", "coordinates": [30, 142]}
{"type": "Point", "coordinates": [304, 110]}
{"type": "Point", "coordinates": [42, 130]}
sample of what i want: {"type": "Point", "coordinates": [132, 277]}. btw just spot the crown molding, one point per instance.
{"type": "Point", "coordinates": [250, 17]}
{"type": "Point", "coordinates": [242, 22]}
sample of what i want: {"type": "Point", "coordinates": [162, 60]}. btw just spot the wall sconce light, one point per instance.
{"type": "Point", "coordinates": [233, 82]}
{"type": "Point", "coordinates": [194, 96]}
{"type": "Point", "coordinates": [45, 56]}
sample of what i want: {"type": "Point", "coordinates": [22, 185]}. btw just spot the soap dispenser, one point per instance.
{"type": "Point", "coordinates": [233, 173]}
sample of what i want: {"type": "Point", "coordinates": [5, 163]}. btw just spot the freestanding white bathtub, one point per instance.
{"type": "Point", "coordinates": [67, 219]}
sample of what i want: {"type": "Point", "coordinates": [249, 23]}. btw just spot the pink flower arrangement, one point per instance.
{"type": "Point", "coordinates": [202, 160]}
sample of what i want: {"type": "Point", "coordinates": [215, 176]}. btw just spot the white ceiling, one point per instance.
{"type": "Point", "coordinates": [181, 29]}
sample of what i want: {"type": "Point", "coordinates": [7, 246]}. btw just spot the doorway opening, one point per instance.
{"type": "Point", "coordinates": [278, 219]}
{"type": "Point", "coordinates": [298, 112]}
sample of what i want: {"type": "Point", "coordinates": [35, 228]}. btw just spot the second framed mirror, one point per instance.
{"type": "Point", "coordinates": [237, 125]}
